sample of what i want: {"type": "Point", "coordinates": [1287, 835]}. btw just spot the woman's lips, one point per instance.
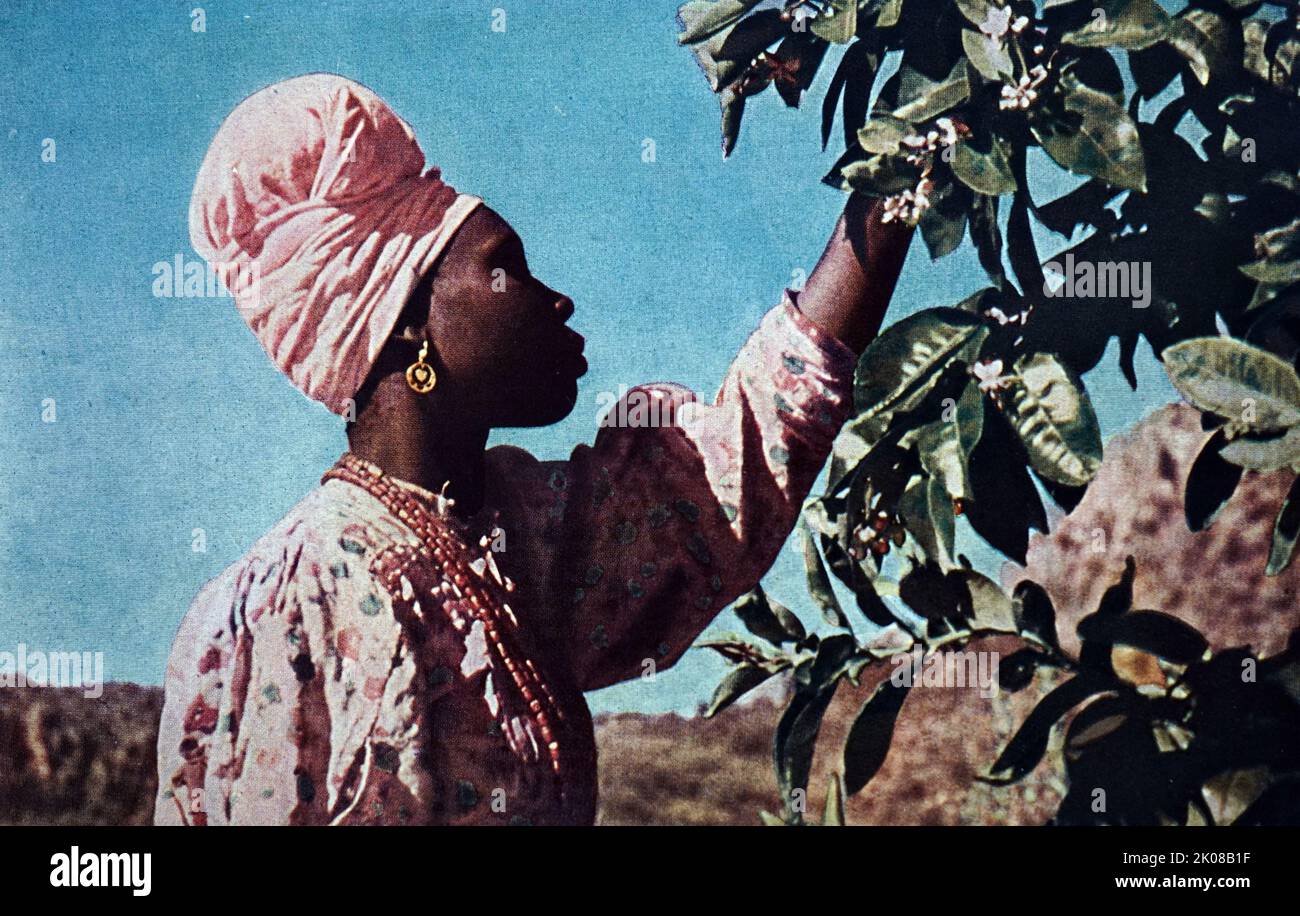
{"type": "Point", "coordinates": [579, 363]}
{"type": "Point", "coordinates": [577, 344]}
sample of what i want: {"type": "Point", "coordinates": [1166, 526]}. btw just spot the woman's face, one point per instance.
{"type": "Point", "coordinates": [503, 353]}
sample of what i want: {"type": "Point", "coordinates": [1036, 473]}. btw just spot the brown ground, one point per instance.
{"type": "Point", "coordinates": [675, 770]}
{"type": "Point", "coordinates": [65, 759]}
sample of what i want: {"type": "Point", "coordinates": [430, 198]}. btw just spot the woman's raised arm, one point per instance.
{"type": "Point", "coordinates": [679, 507]}
{"type": "Point", "coordinates": [850, 288]}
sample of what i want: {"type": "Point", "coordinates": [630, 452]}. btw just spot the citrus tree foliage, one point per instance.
{"type": "Point", "coordinates": [1159, 721]}
{"type": "Point", "coordinates": [1182, 126]}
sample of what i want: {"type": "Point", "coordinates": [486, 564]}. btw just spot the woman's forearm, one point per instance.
{"type": "Point", "coordinates": [850, 288]}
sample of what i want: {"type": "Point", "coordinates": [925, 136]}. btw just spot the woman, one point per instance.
{"type": "Point", "coordinates": [378, 657]}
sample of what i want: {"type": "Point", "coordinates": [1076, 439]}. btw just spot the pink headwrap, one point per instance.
{"type": "Point", "coordinates": [314, 195]}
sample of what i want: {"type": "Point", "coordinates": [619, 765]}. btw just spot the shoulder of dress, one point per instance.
{"type": "Point", "coordinates": [513, 472]}
{"type": "Point", "coordinates": [503, 459]}
{"type": "Point", "coordinates": [335, 539]}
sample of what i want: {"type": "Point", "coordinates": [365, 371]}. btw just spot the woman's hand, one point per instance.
{"type": "Point", "coordinates": [851, 286]}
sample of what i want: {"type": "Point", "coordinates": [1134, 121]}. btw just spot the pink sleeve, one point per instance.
{"type": "Point", "coordinates": [680, 507]}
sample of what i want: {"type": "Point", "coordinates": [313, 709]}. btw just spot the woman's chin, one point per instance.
{"type": "Point", "coordinates": [550, 404]}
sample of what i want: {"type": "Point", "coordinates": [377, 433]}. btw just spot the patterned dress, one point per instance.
{"type": "Point", "coordinates": [332, 675]}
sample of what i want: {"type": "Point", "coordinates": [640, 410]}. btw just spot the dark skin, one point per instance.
{"type": "Point", "coordinates": [505, 356]}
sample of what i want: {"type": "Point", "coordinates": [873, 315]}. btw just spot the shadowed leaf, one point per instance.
{"type": "Point", "coordinates": [869, 737]}
{"type": "Point", "coordinates": [1210, 484]}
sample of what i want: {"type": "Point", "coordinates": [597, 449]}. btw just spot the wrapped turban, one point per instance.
{"type": "Point", "coordinates": [314, 196]}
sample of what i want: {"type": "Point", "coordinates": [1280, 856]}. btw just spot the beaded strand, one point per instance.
{"type": "Point", "coordinates": [439, 545]}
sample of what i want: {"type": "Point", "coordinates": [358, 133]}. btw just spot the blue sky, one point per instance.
{"type": "Point", "coordinates": [169, 415]}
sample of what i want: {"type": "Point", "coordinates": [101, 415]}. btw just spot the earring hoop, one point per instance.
{"type": "Point", "coordinates": [420, 375]}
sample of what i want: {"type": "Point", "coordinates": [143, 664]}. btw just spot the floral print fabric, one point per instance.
{"type": "Point", "coordinates": [332, 677]}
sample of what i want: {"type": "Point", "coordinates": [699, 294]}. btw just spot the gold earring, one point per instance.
{"type": "Point", "coordinates": [420, 375]}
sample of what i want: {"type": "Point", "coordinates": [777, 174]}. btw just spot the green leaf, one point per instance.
{"type": "Point", "coordinates": [992, 608]}
{"type": "Point", "coordinates": [884, 133]}
{"type": "Point", "coordinates": [733, 109]}
{"type": "Point", "coordinates": [1280, 273]}
{"type": "Point", "coordinates": [819, 584]}
{"type": "Point", "coordinates": [903, 363]}
{"type": "Point", "coordinates": [1286, 530]}
{"type": "Point", "coordinates": [914, 507]}
{"type": "Point", "coordinates": [1096, 137]}
{"type": "Point", "coordinates": [857, 438]}
{"type": "Point", "coordinates": [1053, 416]}
{"type": "Point", "coordinates": [738, 681]}
{"type": "Point", "coordinates": [1265, 454]}
{"type": "Point", "coordinates": [796, 733]}
{"type": "Point", "coordinates": [970, 420]}
{"type": "Point", "coordinates": [1151, 631]}
{"type": "Point", "coordinates": [1026, 748]}
{"type": "Point", "coordinates": [1280, 263]}
{"type": "Point", "coordinates": [986, 172]}
{"type": "Point", "coordinates": [987, 238]}
{"type": "Point", "coordinates": [767, 619]}
{"type": "Point", "coordinates": [1130, 24]}
{"type": "Point", "coordinates": [702, 19]}
{"type": "Point", "coordinates": [840, 25]}
{"type": "Point", "coordinates": [942, 597]}
{"type": "Point", "coordinates": [1095, 722]}
{"type": "Point", "coordinates": [943, 225]}
{"type": "Point", "coordinates": [1034, 613]}
{"type": "Point", "coordinates": [871, 734]}
{"type": "Point", "coordinates": [977, 11]}
{"type": "Point", "coordinates": [833, 816]}
{"type": "Point", "coordinates": [737, 651]}
{"type": "Point", "coordinates": [1202, 37]}
{"type": "Point", "coordinates": [853, 79]}
{"type": "Point", "coordinates": [944, 446]}
{"type": "Point", "coordinates": [1236, 380]}
{"type": "Point", "coordinates": [1017, 670]}
{"type": "Point", "coordinates": [891, 11]}
{"type": "Point", "coordinates": [987, 55]}
{"type": "Point", "coordinates": [1270, 54]}
{"type": "Point", "coordinates": [750, 37]}
{"type": "Point", "coordinates": [726, 52]}
{"type": "Point", "coordinates": [1210, 484]}
{"type": "Point", "coordinates": [937, 98]}
{"type": "Point", "coordinates": [832, 661]}
{"type": "Point", "coordinates": [1006, 503]}
{"type": "Point", "coordinates": [944, 520]}
{"type": "Point", "coordinates": [878, 174]}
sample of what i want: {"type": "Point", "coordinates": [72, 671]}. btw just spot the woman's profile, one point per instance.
{"type": "Point", "coordinates": [377, 657]}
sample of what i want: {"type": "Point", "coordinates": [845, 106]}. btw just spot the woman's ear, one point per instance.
{"type": "Point", "coordinates": [408, 334]}
{"type": "Point", "coordinates": [414, 319]}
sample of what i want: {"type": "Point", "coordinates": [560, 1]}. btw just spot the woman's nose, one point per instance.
{"type": "Point", "coordinates": [564, 308]}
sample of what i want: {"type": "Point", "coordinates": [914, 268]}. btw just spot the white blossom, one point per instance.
{"type": "Point", "coordinates": [1025, 92]}
{"type": "Point", "coordinates": [989, 374]}
{"type": "Point", "coordinates": [1002, 318]}
{"type": "Point", "coordinates": [996, 22]}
